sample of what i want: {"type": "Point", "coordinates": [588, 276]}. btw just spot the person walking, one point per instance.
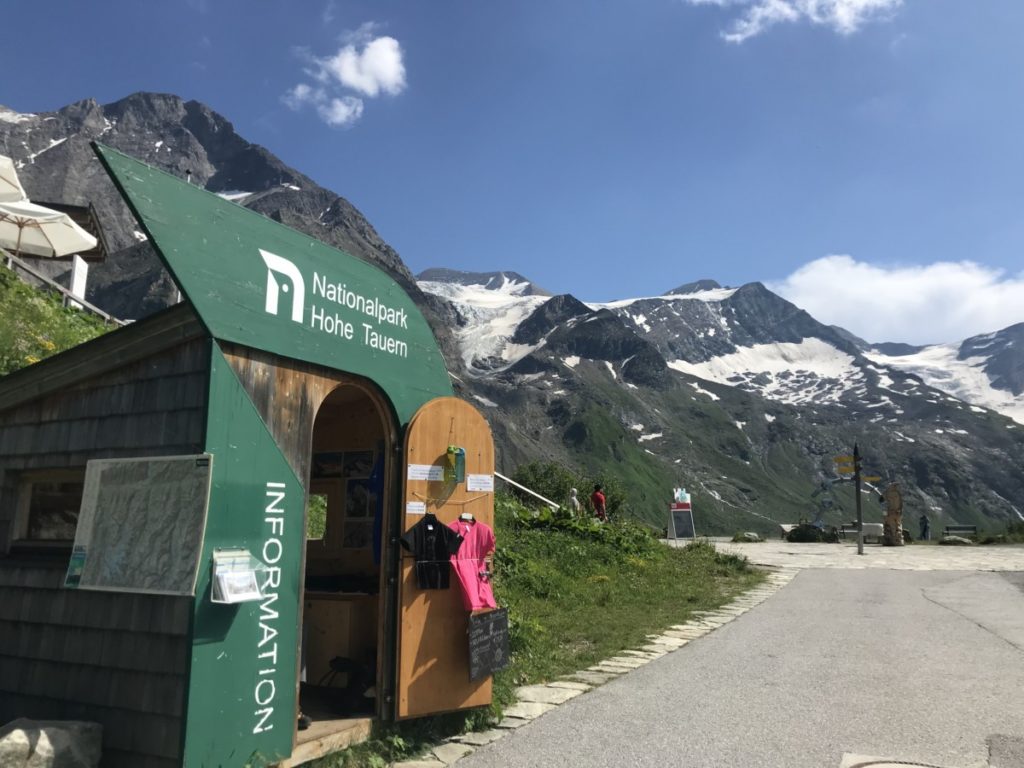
{"type": "Point", "coordinates": [598, 501]}
{"type": "Point", "coordinates": [926, 532]}
{"type": "Point", "coordinates": [574, 503]}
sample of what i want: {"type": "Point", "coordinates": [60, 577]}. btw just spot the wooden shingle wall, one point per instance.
{"type": "Point", "coordinates": [120, 659]}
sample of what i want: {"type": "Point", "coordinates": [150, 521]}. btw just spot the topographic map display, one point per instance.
{"type": "Point", "coordinates": [141, 524]}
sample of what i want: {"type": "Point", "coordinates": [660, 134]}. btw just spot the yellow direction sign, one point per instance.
{"type": "Point", "coordinates": [871, 479]}
{"type": "Point", "coordinates": [845, 469]}
{"type": "Point", "coordinates": [843, 459]}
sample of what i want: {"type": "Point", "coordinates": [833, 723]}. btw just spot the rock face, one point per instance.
{"type": "Point", "coordinates": [50, 744]}
{"type": "Point", "coordinates": [190, 140]}
{"type": "Point", "coordinates": [1002, 354]}
{"type": "Point", "coordinates": [737, 394]}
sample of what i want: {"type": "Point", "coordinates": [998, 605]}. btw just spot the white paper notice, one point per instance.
{"type": "Point", "coordinates": [433, 472]}
{"type": "Point", "coordinates": [480, 483]}
{"type": "Point", "coordinates": [415, 507]}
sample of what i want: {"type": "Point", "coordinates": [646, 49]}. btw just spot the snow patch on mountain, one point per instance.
{"type": "Point", "coordinates": [234, 195]}
{"type": "Point", "coordinates": [714, 295]}
{"type": "Point", "coordinates": [811, 371]}
{"type": "Point", "coordinates": [492, 314]}
{"type": "Point", "coordinates": [10, 116]}
{"type": "Point", "coordinates": [940, 367]}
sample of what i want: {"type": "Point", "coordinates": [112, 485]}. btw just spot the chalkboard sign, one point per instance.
{"type": "Point", "coordinates": [488, 643]}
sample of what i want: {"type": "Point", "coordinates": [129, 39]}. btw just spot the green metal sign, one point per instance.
{"type": "Point", "coordinates": [242, 691]}
{"type": "Point", "coordinates": [243, 672]}
{"type": "Point", "coordinates": [256, 282]}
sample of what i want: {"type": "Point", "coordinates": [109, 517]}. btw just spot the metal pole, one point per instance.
{"type": "Point", "coordinates": [856, 486]}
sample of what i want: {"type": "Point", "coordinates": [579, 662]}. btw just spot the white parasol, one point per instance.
{"type": "Point", "coordinates": [10, 187]}
{"type": "Point", "coordinates": [37, 231]}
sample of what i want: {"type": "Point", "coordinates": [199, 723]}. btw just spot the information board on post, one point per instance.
{"type": "Point", "coordinates": [680, 516]}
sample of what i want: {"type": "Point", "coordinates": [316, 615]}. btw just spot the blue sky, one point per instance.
{"type": "Point", "coordinates": [863, 157]}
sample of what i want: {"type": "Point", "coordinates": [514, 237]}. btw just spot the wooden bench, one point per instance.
{"type": "Point", "coordinates": [871, 530]}
{"type": "Point", "coordinates": [960, 530]}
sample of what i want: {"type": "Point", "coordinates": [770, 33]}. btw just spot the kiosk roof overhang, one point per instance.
{"type": "Point", "coordinates": [126, 345]}
{"type": "Point", "coordinates": [258, 283]}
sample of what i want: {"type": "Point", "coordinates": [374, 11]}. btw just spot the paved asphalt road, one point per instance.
{"type": "Point", "coordinates": [907, 665]}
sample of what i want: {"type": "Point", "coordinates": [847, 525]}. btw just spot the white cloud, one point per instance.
{"type": "Point", "coordinates": [367, 64]}
{"type": "Point", "coordinates": [301, 95]}
{"type": "Point", "coordinates": [843, 16]}
{"type": "Point", "coordinates": [927, 304]}
{"type": "Point", "coordinates": [339, 113]}
{"type": "Point", "coordinates": [377, 67]}
{"type": "Point", "coordinates": [329, 12]}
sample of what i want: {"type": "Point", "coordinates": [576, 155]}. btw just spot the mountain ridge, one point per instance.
{"type": "Point", "coordinates": [734, 392]}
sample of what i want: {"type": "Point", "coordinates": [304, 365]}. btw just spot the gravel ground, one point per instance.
{"type": "Point", "coordinates": [923, 666]}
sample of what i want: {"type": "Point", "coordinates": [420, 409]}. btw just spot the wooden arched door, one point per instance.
{"type": "Point", "coordinates": [433, 649]}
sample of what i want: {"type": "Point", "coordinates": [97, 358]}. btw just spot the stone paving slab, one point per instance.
{"type": "Point", "coordinates": [419, 764]}
{"type": "Point", "coordinates": [596, 678]}
{"type": "Point", "coordinates": [690, 630]}
{"type": "Point", "coordinates": [677, 642]}
{"type": "Point", "coordinates": [658, 648]}
{"type": "Point", "coordinates": [451, 751]}
{"type": "Point", "coordinates": [570, 684]}
{"type": "Point", "coordinates": [510, 723]}
{"type": "Point", "coordinates": [527, 710]}
{"type": "Point", "coordinates": [650, 656]}
{"type": "Point", "coordinates": [481, 738]}
{"type": "Point", "coordinates": [629, 661]}
{"type": "Point", "coordinates": [542, 694]}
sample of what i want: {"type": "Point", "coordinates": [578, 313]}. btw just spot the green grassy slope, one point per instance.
{"type": "Point", "coordinates": [34, 325]}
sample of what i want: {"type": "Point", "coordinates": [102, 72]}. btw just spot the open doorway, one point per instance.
{"type": "Point", "coordinates": [343, 606]}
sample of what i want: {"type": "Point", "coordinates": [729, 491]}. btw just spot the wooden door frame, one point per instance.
{"type": "Point", "coordinates": [389, 430]}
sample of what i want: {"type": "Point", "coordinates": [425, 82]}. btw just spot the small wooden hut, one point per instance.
{"type": "Point", "coordinates": [200, 512]}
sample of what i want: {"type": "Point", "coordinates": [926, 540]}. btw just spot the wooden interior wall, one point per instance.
{"type": "Point", "coordinates": [115, 658]}
{"type": "Point", "coordinates": [354, 425]}
{"type": "Point", "coordinates": [433, 664]}
{"type": "Point", "coordinates": [287, 394]}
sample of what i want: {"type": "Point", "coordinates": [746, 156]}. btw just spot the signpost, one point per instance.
{"type": "Point", "coordinates": [856, 487]}
{"type": "Point", "coordinates": [850, 465]}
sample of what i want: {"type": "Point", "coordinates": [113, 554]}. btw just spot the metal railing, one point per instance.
{"type": "Point", "coordinates": [549, 502]}
{"type": "Point", "coordinates": [13, 263]}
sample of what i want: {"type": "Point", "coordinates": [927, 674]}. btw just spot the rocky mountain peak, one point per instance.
{"type": "Point", "coordinates": [56, 164]}
{"type": "Point", "coordinates": [695, 287]}
{"type": "Point", "coordinates": [547, 317]}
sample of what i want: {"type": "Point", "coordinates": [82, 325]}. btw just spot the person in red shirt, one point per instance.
{"type": "Point", "coordinates": [597, 500]}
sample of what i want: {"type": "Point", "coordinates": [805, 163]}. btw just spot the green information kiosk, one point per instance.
{"type": "Point", "coordinates": [276, 433]}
